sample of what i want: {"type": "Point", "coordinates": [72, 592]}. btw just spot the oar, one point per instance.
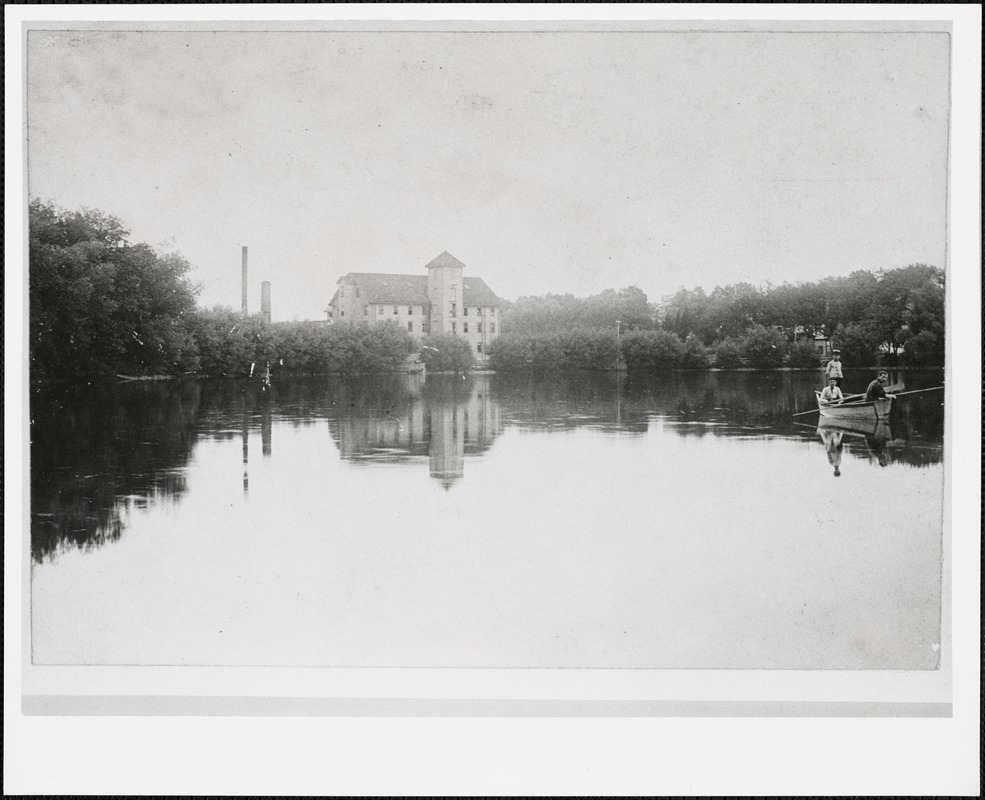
{"type": "Point", "coordinates": [917, 391]}
{"type": "Point", "coordinates": [888, 389]}
{"type": "Point", "coordinates": [801, 413]}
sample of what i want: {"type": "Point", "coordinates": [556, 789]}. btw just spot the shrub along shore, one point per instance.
{"type": "Point", "coordinates": [759, 348]}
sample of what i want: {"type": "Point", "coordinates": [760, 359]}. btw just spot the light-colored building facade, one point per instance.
{"type": "Point", "coordinates": [443, 301]}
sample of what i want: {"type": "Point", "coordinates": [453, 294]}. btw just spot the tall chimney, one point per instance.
{"type": "Point", "coordinates": [265, 300]}
{"type": "Point", "coordinates": [244, 279]}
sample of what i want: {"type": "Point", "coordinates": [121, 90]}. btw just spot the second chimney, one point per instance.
{"type": "Point", "coordinates": [265, 301]}
{"type": "Point", "coordinates": [244, 279]}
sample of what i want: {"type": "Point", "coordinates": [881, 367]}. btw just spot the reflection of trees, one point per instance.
{"type": "Point", "coordinates": [96, 450]}
{"type": "Point", "coordinates": [558, 401]}
{"type": "Point", "coordinates": [716, 403]}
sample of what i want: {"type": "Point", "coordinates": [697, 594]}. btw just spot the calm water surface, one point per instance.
{"type": "Point", "coordinates": [670, 520]}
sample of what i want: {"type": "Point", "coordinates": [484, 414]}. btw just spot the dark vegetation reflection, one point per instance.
{"type": "Point", "coordinates": [99, 451]}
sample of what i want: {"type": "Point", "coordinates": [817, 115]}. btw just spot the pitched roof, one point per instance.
{"type": "Point", "coordinates": [476, 293]}
{"type": "Point", "coordinates": [380, 287]}
{"type": "Point", "coordinates": [446, 259]}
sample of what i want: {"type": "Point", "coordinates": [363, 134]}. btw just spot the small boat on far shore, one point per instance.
{"type": "Point", "coordinates": [856, 410]}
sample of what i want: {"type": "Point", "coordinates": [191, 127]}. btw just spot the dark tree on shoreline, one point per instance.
{"type": "Point", "coordinates": [100, 305]}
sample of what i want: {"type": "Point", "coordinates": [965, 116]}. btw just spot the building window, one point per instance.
{"type": "Point", "coordinates": [478, 347]}
{"type": "Point", "coordinates": [453, 309]}
{"type": "Point", "coordinates": [465, 327]}
{"type": "Point", "coordinates": [410, 327]}
{"type": "Point", "coordinates": [380, 309]}
{"type": "Point", "coordinates": [410, 310]}
{"type": "Point", "coordinates": [453, 327]}
{"type": "Point", "coordinates": [479, 327]}
{"type": "Point", "coordinates": [342, 313]}
{"type": "Point", "coordinates": [365, 311]}
{"type": "Point", "coordinates": [465, 311]}
{"type": "Point", "coordinates": [492, 327]}
{"type": "Point", "coordinates": [394, 309]}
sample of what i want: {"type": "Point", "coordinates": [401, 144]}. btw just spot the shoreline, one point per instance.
{"type": "Point", "coordinates": [485, 371]}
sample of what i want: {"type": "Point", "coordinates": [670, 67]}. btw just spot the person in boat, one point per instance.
{"type": "Point", "coordinates": [831, 395]}
{"type": "Point", "coordinates": [833, 368]}
{"type": "Point", "coordinates": [876, 390]}
{"type": "Point", "coordinates": [832, 444]}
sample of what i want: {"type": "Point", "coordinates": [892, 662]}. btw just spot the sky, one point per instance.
{"type": "Point", "coordinates": [547, 162]}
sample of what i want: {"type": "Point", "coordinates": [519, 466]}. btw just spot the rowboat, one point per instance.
{"type": "Point", "coordinates": [859, 411]}
{"type": "Point", "coordinates": [873, 428]}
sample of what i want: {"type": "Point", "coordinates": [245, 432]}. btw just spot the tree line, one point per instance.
{"type": "Point", "coordinates": [893, 316]}
{"type": "Point", "coordinates": [865, 313]}
{"type": "Point", "coordinates": [101, 305]}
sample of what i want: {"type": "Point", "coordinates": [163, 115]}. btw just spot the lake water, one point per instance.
{"type": "Point", "coordinates": [673, 520]}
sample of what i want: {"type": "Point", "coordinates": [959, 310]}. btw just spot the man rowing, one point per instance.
{"type": "Point", "coordinates": [876, 390]}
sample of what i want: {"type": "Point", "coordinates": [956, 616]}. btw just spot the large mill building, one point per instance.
{"type": "Point", "coordinates": [444, 301]}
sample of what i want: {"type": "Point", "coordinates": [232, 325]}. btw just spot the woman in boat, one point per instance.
{"type": "Point", "coordinates": [876, 390]}
{"type": "Point", "coordinates": [831, 395]}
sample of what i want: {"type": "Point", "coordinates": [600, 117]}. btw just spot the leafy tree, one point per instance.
{"type": "Point", "coordinates": [692, 312]}
{"type": "Point", "coordinates": [652, 350]}
{"type": "Point", "coordinates": [803, 355]}
{"type": "Point", "coordinates": [100, 305]}
{"type": "Point", "coordinates": [694, 355]}
{"type": "Point", "coordinates": [728, 354]}
{"type": "Point", "coordinates": [562, 313]}
{"type": "Point", "coordinates": [578, 349]}
{"type": "Point", "coordinates": [590, 350]}
{"type": "Point", "coordinates": [924, 349]}
{"type": "Point", "coordinates": [764, 347]}
{"type": "Point", "coordinates": [445, 352]}
{"type": "Point", "coordinates": [859, 344]}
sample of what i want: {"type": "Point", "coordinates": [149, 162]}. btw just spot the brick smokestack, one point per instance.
{"type": "Point", "coordinates": [265, 300]}
{"type": "Point", "coordinates": [244, 279]}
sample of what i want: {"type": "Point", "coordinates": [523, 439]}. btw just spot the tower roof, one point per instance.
{"type": "Point", "coordinates": [446, 259]}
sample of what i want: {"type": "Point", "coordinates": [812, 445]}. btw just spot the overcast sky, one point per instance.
{"type": "Point", "coordinates": [546, 162]}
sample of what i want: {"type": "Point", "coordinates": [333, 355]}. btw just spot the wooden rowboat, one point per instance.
{"type": "Point", "coordinates": [858, 411]}
{"type": "Point", "coordinates": [871, 428]}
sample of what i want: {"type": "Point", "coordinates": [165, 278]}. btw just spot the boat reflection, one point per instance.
{"type": "Point", "coordinates": [874, 433]}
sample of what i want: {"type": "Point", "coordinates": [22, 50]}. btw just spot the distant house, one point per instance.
{"type": "Point", "coordinates": [822, 345]}
{"type": "Point", "coordinates": [664, 306]}
{"type": "Point", "coordinates": [443, 301]}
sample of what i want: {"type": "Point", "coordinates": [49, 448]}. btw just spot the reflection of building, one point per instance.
{"type": "Point", "coordinates": [458, 428]}
{"type": "Point", "coordinates": [444, 423]}
{"type": "Point", "coordinates": [442, 302]}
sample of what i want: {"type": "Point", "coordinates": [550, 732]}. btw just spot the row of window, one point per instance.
{"type": "Point", "coordinates": [465, 311]}
{"type": "Point", "coordinates": [410, 312]}
{"type": "Point", "coordinates": [424, 326]}
{"type": "Point", "coordinates": [381, 310]}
